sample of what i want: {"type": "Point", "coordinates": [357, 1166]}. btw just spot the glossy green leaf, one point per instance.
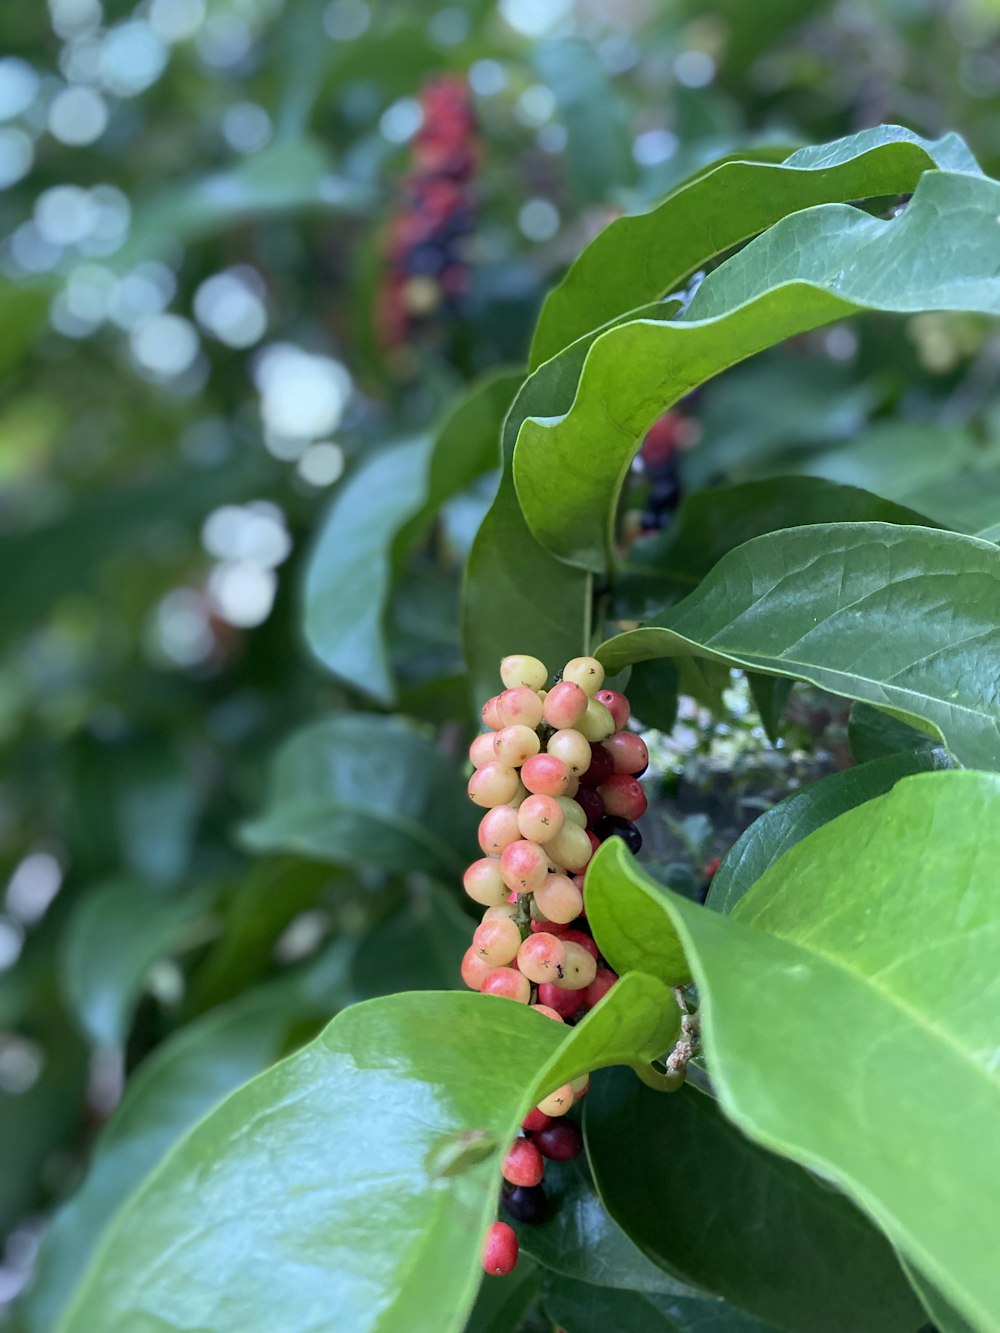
{"type": "Point", "coordinates": [652, 694]}
{"type": "Point", "coordinates": [794, 818]}
{"type": "Point", "coordinates": [368, 789]}
{"type": "Point", "coordinates": [884, 922]}
{"type": "Point", "coordinates": [637, 259]}
{"type": "Point", "coordinates": [502, 1304]}
{"type": "Point", "coordinates": [580, 1240]}
{"type": "Point", "coordinates": [903, 618]}
{"type": "Point", "coordinates": [418, 946]}
{"type": "Point", "coordinates": [709, 524]}
{"type": "Point", "coordinates": [178, 1084]}
{"type": "Point", "coordinates": [718, 1211]}
{"type": "Point", "coordinates": [332, 1158]}
{"type": "Point", "coordinates": [943, 1317]}
{"type": "Point", "coordinates": [625, 909]}
{"type": "Point", "coordinates": [375, 516]}
{"type": "Point", "coordinates": [807, 270]}
{"type": "Point", "coordinates": [580, 1306]}
{"type": "Point", "coordinates": [119, 930]}
{"type": "Point", "coordinates": [874, 734]}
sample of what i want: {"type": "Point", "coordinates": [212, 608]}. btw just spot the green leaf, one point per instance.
{"type": "Point", "coordinates": [884, 922]}
{"type": "Point", "coordinates": [652, 693]}
{"type": "Point", "coordinates": [119, 930]}
{"type": "Point", "coordinates": [770, 695]}
{"type": "Point", "coordinates": [501, 1305]}
{"type": "Point", "coordinates": [808, 269]}
{"type": "Point", "coordinates": [331, 1156]}
{"type": "Point", "coordinates": [873, 734]}
{"type": "Point", "coordinates": [942, 1315]}
{"type": "Point", "coordinates": [579, 1239]}
{"type": "Point", "coordinates": [637, 259]}
{"type": "Point", "coordinates": [625, 909]}
{"type": "Point", "coordinates": [371, 790]}
{"type": "Point", "coordinates": [417, 947]}
{"type": "Point", "coordinates": [903, 618]}
{"type": "Point", "coordinates": [794, 818]}
{"type": "Point", "coordinates": [376, 515]}
{"type": "Point", "coordinates": [663, 569]}
{"type": "Point", "coordinates": [582, 1306]}
{"type": "Point", "coordinates": [718, 1211]}
{"type": "Point", "coordinates": [180, 1082]}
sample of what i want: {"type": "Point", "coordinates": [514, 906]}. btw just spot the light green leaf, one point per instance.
{"type": "Point", "coordinates": [119, 930]}
{"type": "Point", "coordinates": [314, 1187]}
{"type": "Point", "coordinates": [367, 789]}
{"type": "Point", "coordinates": [798, 815]}
{"type": "Point", "coordinates": [637, 259]}
{"type": "Point", "coordinates": [884, 923]}
{"type": "Point", "coordinates": [625, 909]}
{"type": "Point", "coordinates": [808, 269]}
{"type": "Point", "coordinates": [375, 517]}
{"type": "Point", "coordinates": [903, 618]}
{"type": "Point", "coordinates": [718, 1211]}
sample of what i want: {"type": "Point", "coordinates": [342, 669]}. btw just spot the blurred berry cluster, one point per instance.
{"type": "Point", "coordinates": [427, 273]}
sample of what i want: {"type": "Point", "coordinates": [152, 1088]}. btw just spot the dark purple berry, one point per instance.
{"type": "Point", "coordinates": [614, 826]}
{"type": "Point", "coordinates": [591, 803]}
{"type": "Point", "coordinates": [525, 1203]}
{"type": "Point", "coordinates": [559, 1142]}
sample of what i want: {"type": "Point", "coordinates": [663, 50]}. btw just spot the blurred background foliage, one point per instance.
{"type": "Point", "coordinates": [212, 314]}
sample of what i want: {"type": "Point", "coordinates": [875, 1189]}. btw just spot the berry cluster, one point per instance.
{"type": "Point", "coordinates": [557, 772]}
{"type": "Point", "coordinates": [427, 271]}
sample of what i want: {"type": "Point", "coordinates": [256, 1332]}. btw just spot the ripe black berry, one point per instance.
{"type": "Point", "coordinates": [526, 1203]}
{"type": "Point", "coordinates": [613, 826]}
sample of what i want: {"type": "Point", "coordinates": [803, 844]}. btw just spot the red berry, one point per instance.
{"type": "Point", "coordinates": [595, 841]}
{"type": "Point", "coordinates": [550, 927]}
{"type": "Point", "coordinates": [499, 1249]}
{"type": "Point", "coordinates": [545, 775]}
{"type": "Point", "coordinates": [623, 796]}
{"type": "Point", "coordinates": [559, 1142]}
{"type": "Point", "coordinates": [589, 801]}
{"type": "Point", "coordinates": [628, 753]}
{"type": "Point", "coordinates": [509, 983]}
{"type": "Point", "coordinates": [523, 1165]}
{"type": "Point", "coordinates": [616, 704]}
{"type": "Point", "coordinates": [601, 765]}
{"type": "Point", "coordinates": [599, 987]}
{"type": "Point", "coordinates": [711, 869]}
{"type": "Point", "coordinates": [564, 1002]}
{"type": "Point", "coordinates": [565, 704]}
{"type": "Point", "coordinates": [535, 1120]}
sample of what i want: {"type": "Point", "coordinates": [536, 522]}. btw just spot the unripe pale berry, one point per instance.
{"type": "Point", "coordinates": [499, 1249]}
{"type": "Point", "coordinates": [628, 753]}
{"type": "Point", "coordinates": [491, 718]}
{"type": "Point", "coordinates": [484, 883]}
{"type": "Point", "coordinates": [570, 848]}
{"type": "Point", "coordinates": [493, 784]}
{"type": "Point", "coordinates": [623, 795]}
{"type": "Point", "coordinates": [524, 1164]}
{"type": "Point", "coordinates": [540, 957]}
{"type": "Point", "coordinates": [574, 809]}
{"type": "Point", "coordinates": [572, 747]}
{"type": "Point", "coordinates": [524, 866]}
{"type": "Point", "coordinates": [507, 910]}
{"type": "Point", "coordinates": [559, 899]}
{"type": "Point", "coordinates": [579, 968]}
{"type": "Point", "coordinates": [584, 940]}
{"type": "Point", "coordinates": [497, 828]}
{"type": "Point", "coordinates": [519, 669]}
{"type": "Point", "coordinates": [545, 775]}
{"type": "Point", "coordinates": [573, 786]}
{"type": "Point", "coordinates": [597, 724]}
{"type": "Point", "coordinates": [557, 1103]}
{"type": "Point", "coordinates": [616, 704]}
{"type": "Point", "coordinates": [481, 750]}
{"type": "Point", "coordinates": [513, 745]}
{"type": "Point", "coordinates": [507, 982]}
{"type": "Point", "coordinates": [540, 818]}
{"type": "Point", "coordinates": [586, 672]}
{"type": "Point", "coordinates": [474, 969]}
{"type": "Point", "coordinates": [520, 707]}
{"type": "Point", "coordinates": [564, 704]}
{"type": "Point", "coordinates": [579, 1086]}
{"type": "Point", "coordinates": [566, 1003]}
{"type": "Point", "coordinates": [601, 765]}
{"type": "Point", "coordinates": [549, 1012]}
{"type": "Point", "coordinates": [497, 941]}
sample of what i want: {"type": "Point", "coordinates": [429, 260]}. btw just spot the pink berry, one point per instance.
{"type": "Point", "coordinates": [519, 707]}
{"type": "Point", "coordinates": [600, 986]}
{"type": "Point", "coordinates": [484, 883]}
{"type": "Point", "coordinates": [481, 750]}
{"type": "Point", "coordinates": [585, 941]}
{"type": "Point", "coordinates": [623, 796]}
{"type": "Point", "coordinates": [548, 1011]}
{"type": "Point", "coordinates": [509, 983]}
{"type": "Point", "coordinates": [496, 941]}
{"type": "Point", "coordinates": [565, 704]}
{"type": "Point", "coordinates": [497, 829]}
{"type": "Point", "coordinates": [560, 1141]}
{"type": "Point", "coordinates": [491, 718]}
{"type": "Point", "coordinates": [493, 784]}
{"type": "Point", "coordinates": [628, 753]}
{"type": "Point", "coordinates": [540, 818]}
{"type": "Point", "coordinates": [513, 745]}
{"type": "Point", "coordinates": [545, 775]}
{"type": "Point", "coordinates": [559, 899]}
{"type": "Point", "coordinates": [499, 1249]}
{"type": "Point", "coordinates": [524, 1164]}
{"type": "Point", "coordinates": [524, 866]}
{"type": "Point", "coordinates": [541, 957]}
{"type": "Point", "coordinates": [474, 969]}
{"type": "Point", "coordinates": [601, 765]}
{"type": "Point", "coordinates": [616, 704]}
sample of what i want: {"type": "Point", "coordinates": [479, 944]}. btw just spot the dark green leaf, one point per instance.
{"type": "Point", "coordinates": [718, 1211]}
{"type": "Point", "coordinates": [503, 1303]}
{"type": "Point", "coordinates": [580, 1307]}
{"type": "Point", "coordinates": [417, 947]}
{"type": "Point", "coordinates": [367, 789]}
{"type": "Point", "coordinates": [904, 618]}
{"type": "Point", "coordinates": [652, 694]}
{"type": "Point", "coordinates": [874, 734]}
